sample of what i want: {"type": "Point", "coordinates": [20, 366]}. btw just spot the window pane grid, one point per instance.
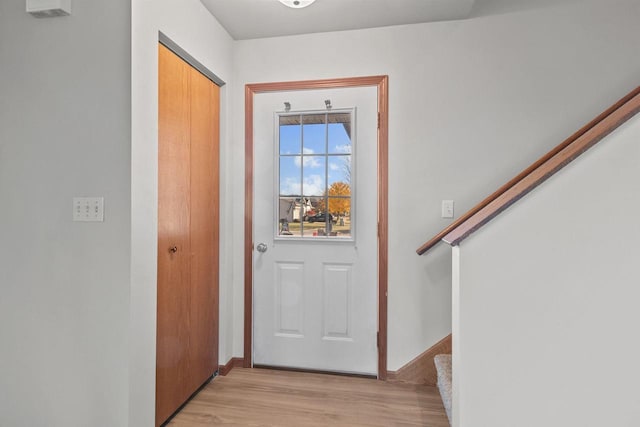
{"type": "Point", "coordinates": [315, 151]}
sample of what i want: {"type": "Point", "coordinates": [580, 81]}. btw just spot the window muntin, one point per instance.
{"type": "Point", "coordinates": [315, 195]}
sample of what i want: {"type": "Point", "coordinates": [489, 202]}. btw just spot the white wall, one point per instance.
{"type": "Point", "coordinates": [471, 104]}
{"type": "Point", "coordinates": [193, 28]}
{"type": "Point", "coordinates": [548, 300]}
{"type": "Point", "coordinates": [497, 90]}
{"type": "Point", "coordinates": [64, 132]}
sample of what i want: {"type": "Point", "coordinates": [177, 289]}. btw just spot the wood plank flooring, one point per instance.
{"type": "Point", "coordinates": [263, 397]}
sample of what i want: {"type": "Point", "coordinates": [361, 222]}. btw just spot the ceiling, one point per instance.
{"type": "Point", "coordinates": [250, 19]}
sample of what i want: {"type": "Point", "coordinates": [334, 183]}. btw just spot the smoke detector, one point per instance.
{"type": "Point", "coordinates": [49, 8]}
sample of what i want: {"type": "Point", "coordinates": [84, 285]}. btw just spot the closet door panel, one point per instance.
{"type": "Point", "coordinates": [204, 227]}
{"type": "Point", "coordinates": [188, 232]}
{"type": "Point", "coordinates": [174, 251]}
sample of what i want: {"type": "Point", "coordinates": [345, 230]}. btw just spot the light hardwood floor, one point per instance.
{"type": "Point", "coordinates": [263, 397]}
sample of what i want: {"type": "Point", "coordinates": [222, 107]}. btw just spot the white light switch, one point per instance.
{"type": "Point", "coordinates": [88, 209]}
{"type": "Point", "coordinates": [447, 209]}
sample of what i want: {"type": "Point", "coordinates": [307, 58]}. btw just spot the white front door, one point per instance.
{"type": "Point", "coordinates": [315, 230]}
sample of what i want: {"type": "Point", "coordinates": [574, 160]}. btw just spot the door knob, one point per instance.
{"type": "Point", "coordinates": [262, 247]}
{"type": "Point", "coordinates": [173, 249]}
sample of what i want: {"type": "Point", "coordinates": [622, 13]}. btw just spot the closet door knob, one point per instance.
{"type": "Point", "coordinates": [173, 249]}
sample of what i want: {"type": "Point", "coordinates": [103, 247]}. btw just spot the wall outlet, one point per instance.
{"type": "Point", "coordinates": [447, 209]}
{"type": "Point", "coordinates": [88, 209]}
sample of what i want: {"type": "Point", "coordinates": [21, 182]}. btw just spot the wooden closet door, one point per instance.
{"type": "Point", "coordinates": [188, 240]}
{"type": "Point", "coordinates": [174, 249]}
{"type": "Point", "coordinates": [204, 228]}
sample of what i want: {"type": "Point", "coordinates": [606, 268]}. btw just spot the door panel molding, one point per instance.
{"type": "Point", "coordinates": [382, 84]}
{"type": "Point", "coordinates": [337, 301]}
{"type": "Point", "coordinates": [290, 293]}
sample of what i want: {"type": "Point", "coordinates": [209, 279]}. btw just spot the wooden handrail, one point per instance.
{"type": "Point", "coordinates": [539, 171]}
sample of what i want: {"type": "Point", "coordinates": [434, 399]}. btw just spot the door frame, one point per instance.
{"type": "Point", "coordinates": [382, 84]}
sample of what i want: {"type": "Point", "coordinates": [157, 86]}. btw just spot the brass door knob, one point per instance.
{"type": "Point", "coordinates": [173, 249]}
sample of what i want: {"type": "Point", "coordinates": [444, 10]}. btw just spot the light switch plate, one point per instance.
{"type": "Point", "coordinates": [447, 209]}
{"type": "Point", "coordinates": [88, 209]}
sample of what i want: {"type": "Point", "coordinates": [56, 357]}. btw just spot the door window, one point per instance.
{"type": "Point", "coordinates": [315, 185]}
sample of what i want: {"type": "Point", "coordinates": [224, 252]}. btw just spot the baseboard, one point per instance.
{"type": "Point", "coordinates": [234, 362]}
{"type": "Point", "coordinates": [421, 370]}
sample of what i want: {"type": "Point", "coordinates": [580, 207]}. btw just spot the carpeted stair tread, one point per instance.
{"type": "Point", "coordinates": [443, 367]}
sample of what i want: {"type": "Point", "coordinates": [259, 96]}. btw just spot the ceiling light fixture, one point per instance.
{"type": "Point", "coordinates": [296, 4]}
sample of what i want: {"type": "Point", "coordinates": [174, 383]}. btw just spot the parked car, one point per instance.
{"type": "Point", "coordinates": [309, 214]}
{"type": "Point", "coordinates": [321, 217]}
